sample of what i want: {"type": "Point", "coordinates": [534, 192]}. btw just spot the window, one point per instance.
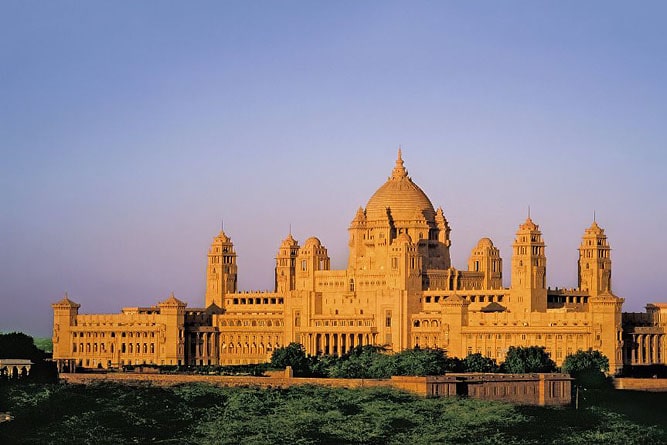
{"type": "Point", "coordinates": [387, 321]}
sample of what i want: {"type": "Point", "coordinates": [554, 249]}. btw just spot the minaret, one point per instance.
{"type": "Point", "coordinates": [594, 261]}
{"type": "Point", "coordinates": [221, 273]}
{"type": "Point", "coordinates": [286, 265]}
{"type": "Point", "coordinates": [529, 268]}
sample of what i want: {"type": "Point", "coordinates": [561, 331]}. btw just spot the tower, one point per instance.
{"type": "Point", "coordinates": [594, 261]}
{"type": "Point", "coordinates": [285, 276]}
{"type": "Point", "coordinates": [221, 273]}
{"type": "Point", "coordinates": [485, 258]}
{"type": "Point", "coordinates": [65, 313]}
{"type": "Point", "coordinates": [312, 257]}
{"type": "Point", "coordinates": [529, 268]}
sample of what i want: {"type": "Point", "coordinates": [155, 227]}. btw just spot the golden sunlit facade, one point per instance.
{"type": "Point", "coordinates": [399, 289]}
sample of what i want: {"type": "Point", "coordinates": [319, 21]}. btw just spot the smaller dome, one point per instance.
{"type": "Point", "coordinates": [484, 242]}
{"type": "Point", "coordinates": [312, 242]}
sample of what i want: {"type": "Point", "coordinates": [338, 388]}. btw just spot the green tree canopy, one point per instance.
{"type": "Point", "coordinates": [368, 362]}
{"type": "Point", "coordinates": [587, 367]}
{"type": "Point", "coordinates": [479, 363]}
{"type": "Point", "coordinates": [526, 359]}
{"type": "Point", "coordinates": [19, 345]}
{"type": "Point", "coordinates": [421, 362]}
{"type": "Point", "coordinates": [293, 355]}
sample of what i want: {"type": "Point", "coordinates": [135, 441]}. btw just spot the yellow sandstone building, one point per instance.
{"type": "Point", "coordinates": [399, 289]}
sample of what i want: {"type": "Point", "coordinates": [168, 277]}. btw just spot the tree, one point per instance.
{"type": "Point", "coordinates": [521, 360]}
{"type": "Point", "coordinates": [479, 363]}
{"type": "Point", "coordinates": [420, 362]}
{"type": "Point", "coordinates": [365, 362]}
{"type": "Point", "coordinates": [587, 367]}
{"type": "Point", "coordinates": [293, 355]}
{"type": "Point", "coordinates": [19, 345]}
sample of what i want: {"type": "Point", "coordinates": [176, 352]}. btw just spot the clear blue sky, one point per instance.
{"type": "Point", "coordinates": [129, 129]}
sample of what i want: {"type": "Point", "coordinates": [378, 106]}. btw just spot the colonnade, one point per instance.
{"type": "Point", "coordinates": [647, 349]}
{"type": "Point", "coordinates": [202, 348]}
{"type": "Point", "coordinates": [336, 343]}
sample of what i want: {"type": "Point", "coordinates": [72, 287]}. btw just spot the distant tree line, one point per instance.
{"type": "Point", "coordinates": [373, 362]}
{"type": "Point", "coordinates": [17, 345]}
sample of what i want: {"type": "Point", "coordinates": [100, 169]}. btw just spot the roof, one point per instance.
{"type": "Point", "coordinates": [172, 301]}
{"type": "Point", "coordinates": [15, 362]}
{"type": "Point", "coordinates": [494, 307]}
{"type": "Point", "coordinates": [402, 197]}
{"type": "Point", "coordinates": [66, 302]}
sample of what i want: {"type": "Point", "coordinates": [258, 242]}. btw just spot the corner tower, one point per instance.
{"type": "Point", "coordinates": [529, 269]}
{"type": "Point", "coordinates": [594, 261]}
{"type": "Point", "coordinates": [221, 273]}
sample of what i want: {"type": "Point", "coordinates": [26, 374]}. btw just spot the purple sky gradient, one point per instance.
{"type": "Point", "coordinates": [129, 129]}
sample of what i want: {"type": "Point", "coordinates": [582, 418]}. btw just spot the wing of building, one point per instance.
{"type": "Point", "coordinates": [399, 289]}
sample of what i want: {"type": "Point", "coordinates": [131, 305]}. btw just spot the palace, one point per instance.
{"type": "Point", "coordinates": [399, 289]}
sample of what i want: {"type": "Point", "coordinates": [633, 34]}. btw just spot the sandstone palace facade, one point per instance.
{"type": "Point", "coordinates": [399, 289]}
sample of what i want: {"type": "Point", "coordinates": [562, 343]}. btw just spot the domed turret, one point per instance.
{"type": "Point", "coordinates": [485, 258]}
{"type": "Point", "coordinates": [221, 271]}
{"type": "Point", "coordinates": [312, 242]}
{"type": "Point", "coordinates": [285, 270]}
{"type": "Point", "coordinates": [594, 261]}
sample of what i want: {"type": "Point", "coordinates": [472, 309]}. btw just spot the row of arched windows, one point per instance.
{"type": "Point", "coordinates": [426, 324]}
{"type": "Point", "coordinates": [261, 322]}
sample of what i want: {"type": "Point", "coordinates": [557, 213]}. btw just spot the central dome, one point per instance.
{"type": "Point", "coordinates": [404, 198]}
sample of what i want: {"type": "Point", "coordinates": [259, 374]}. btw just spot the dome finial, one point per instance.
{"type": "Point", "coordinates": [399, 170]}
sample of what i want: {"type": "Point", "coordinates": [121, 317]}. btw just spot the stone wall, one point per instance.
{"type": "Point", "coordinates": [658, 385]}
{"type": "Point", "coordinates": [528, 389]}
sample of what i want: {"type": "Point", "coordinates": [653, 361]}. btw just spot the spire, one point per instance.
{"type": "Point", "coordinates": [399, 170]}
